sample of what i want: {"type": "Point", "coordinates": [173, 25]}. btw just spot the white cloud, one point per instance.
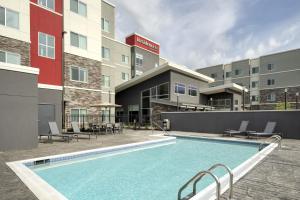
{"type": "Point", "coordinates": [199, 33]}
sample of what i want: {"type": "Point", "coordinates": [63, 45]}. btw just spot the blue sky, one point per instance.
{"type": "Point", "coordinates": [200, 33]}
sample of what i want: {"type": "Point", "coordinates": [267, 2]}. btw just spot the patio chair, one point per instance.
{"type": "Point", "coordinates": [242, 129]}
{"type": "Point", "coordinates": [269, 130]}
{"type": "Point", "coordinates": [118, 128]}
{"type": "Point", "coordinates": [56, 133]}
{"type": "Point", "coordinates": [77, 131]}
{"type": "Point", "coordinates": [109, 128]}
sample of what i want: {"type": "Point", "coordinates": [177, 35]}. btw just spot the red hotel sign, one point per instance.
{"type": "Point", "coordinates": [139, 41]}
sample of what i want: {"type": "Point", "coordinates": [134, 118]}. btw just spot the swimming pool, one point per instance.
{"type": "Point", "coordinates": [151, 170]}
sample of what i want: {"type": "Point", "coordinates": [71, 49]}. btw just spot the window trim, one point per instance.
{"type": "Point", "coordinates": [179, 84]}
{"type": "Point", "coordinates": [5, 18]}
{"type": "Point", "coordinates": [105, 48]}
{"type": "Point", "coordinates": [192, 86]}
{"type": "Point", "coordinates": [79, 68]}
{"type": "Point", "coordinates": [140, 57]}
{"type": "Point", "coordinates": [6, 52]}
{"type": "Point", "coordinates": [46, 45]}
{"type": "Point", "coordinates": [78, 108]}
{"type": "Point", "coordinates": [125, 59]}
{"type": "Point", "coordinates": [272, 82]}
{"type": "Point", "coordinates": [78, 1]}
{"type": "Point", "coordinates": [103, 81]}
{"type": "Point", "coordinates": [103, 19]}
{"type": "Point", "coordinates": [46, 7]}
{"type": "Point", "coordinates": [79, 35]}
{"type": "Point", "coordinates": [125, 74]}
{"type": "Point", "coordinates": [271, 99]}
{"type": "Point", "coordinates": [255, 68]}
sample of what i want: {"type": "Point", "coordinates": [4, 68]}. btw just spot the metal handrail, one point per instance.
{"type": "Point", "coordinates": [212, 168]}
{"type": "Point", "coordinates": [277, 139]}
{"type": "Point", "coordinates": [161, 128]}
{"type": "Point", "coordinates": [202, 173]}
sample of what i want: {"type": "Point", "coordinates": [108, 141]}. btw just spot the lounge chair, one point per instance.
{"type": "Point", "coordinates": [242, 129]}
{"type": "Point", "coordinates": [269, 130]}
{"type": "Point", "coordinates": [77, 131]}
{"type": "Point", "coordinates": [118, 128]}
{"type": "Point", "coordinates": [109, 128]}
{"type": "Point", "coordinates": [56, 133]}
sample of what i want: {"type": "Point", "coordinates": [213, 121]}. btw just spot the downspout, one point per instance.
{"type": "Point", "coordinates": [63, 66]}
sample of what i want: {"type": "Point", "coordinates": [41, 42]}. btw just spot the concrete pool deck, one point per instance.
{"type": "Point", "coordinates": [276, 177]}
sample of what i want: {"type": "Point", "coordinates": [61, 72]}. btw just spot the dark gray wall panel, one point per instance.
{"type": "Point", "coordinates": [216, 122]}
{"type": "Point", "coordinates": [18, 106]}
{"type": "Point", "coordinates": [52, 97]}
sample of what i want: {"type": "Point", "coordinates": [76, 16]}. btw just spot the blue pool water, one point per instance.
{"type": "Point", "coordinates": [147, 174]}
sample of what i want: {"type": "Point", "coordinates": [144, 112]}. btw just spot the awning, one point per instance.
{"type": "Point", "coordinates": [106, 105]}
{"type": "Point", "coordinates": [223, 88]}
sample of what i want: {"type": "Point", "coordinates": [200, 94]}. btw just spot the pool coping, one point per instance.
{"type": "Point", "coordinates": [44, 191]}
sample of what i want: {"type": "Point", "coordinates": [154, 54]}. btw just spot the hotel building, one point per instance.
{"type": "Point", "coordinates": [269, 79]}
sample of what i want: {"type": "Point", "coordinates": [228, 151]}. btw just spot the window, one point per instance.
{"type": "Point", "coordinates": [214, 75]}
{"type": "Point", "coordinates": [138, 60]}
{"type": "Point", "coordinates": [254, 84]}
{"type": "Point", "coordinates": [255, 70]}
{"type": "Point", "coordinates": [236, 102]}
{"type": "Point", "coordinates": [179, 88]}
{"type": "Point", "coordinates": [78, 7]}
{"type": "Point", "coordinates": [9, 18]}
{"type": "Point", "coordinates": [78, 115]}
{"type": "Point", "coordinates": [105, 81]}
{"type": "Point", "coordinates": [105, 25]}
{"type": "Point", "coordinates": [270, 67]}
{"type": "Point", "coordinates": [9, 57]}
{"type": "Point", "coordinates": [228, 74]}
{"type": "Point", "coordinates": [78, 40]}
{"type": "Point", "coordinates": [254, 98]}
{"type": "Point", "coordinates": [47, 3]}
{"type": "Point", "coordinates": [271, 82]}
{"type": "Point", "coordinates": [125, 76]}
{"type": "Point", "coordinates": [105, 115]}
{"type": "Point", "coordinates": [271, 97]}
{"type": "Point", "coordinates": [79, 74]}
{"type": "Point", "coordinates": [192, 91]}
{"type": "Point", "coordinates": [105, 53]}
{"type": "Point", "coordinates": [125, 59]}
{"type": "Point", "coordinates": [163, 91]}
{"type": "Point", "coordinates": [237, 72]}
{"type": "Point", "coordinates": [46, 45]}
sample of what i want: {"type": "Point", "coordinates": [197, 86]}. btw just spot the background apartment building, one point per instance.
{"type": "Point", "coordinates": [266, 77]}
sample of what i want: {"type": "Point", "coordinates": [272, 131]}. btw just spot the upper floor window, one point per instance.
{"type": "Point", "coordinates": [105, 53]}
{"type": "Point", "coordinates": [78, 7]}
{"type": "Point", "coordinates": [270, 67]}
{"type": "Point", "coordinates": [46, 45]}
{"type": "Point", "coordinates": [179, 88]}
{"type": "Point", "coordinates": [271, 82]}
{"type": "Point", "coordinates": [228, 74]}
{"type": "Point", "coordinates": [254, 98]}
{"type": "Point", "coordinates": [214, 75]}
{"type": "Point", "coordinates": [192, 91]}
{"type": "Point", "coordinates": [125, 59]}
{"type": "Point", "coordinates": [50, 4]}
{"type": "Point", "coordinates": [79, 74]}
{"type": "Point", "coordinates": [237, 72]}
{"type": "Point", "coordinates": [105, 25]}
{"type": "Point", "coordinates": [9, 57]}
{"type": "Point", "coordinates": [105, 81]}
{"type": "Point", "coordinates": [125, 76]}
{"type": "Point", "coordinates": [254, 84]}
{"type": "Point", "coordinates": [9, 18]}
{"type": "Point", "coordinates": [255, 70]}
{"type": "Point", "coordinates": [271, 97]}
{"type": "Point", "coordinates": [78, 40]}
{"type": "Point", "coordinates": [139, 60]}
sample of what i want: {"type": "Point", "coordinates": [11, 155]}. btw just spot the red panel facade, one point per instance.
{"type": "Point", "coordinates": [137, 40]}
{"type": "Point", "coordinates": [45, 21]}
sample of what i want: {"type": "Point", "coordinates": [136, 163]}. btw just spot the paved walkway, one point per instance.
{"type": "Point", "coordinates": [277, 177]}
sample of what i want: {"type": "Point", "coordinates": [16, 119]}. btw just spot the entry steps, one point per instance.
{"type": "Point", "coordinates": [195, 179]}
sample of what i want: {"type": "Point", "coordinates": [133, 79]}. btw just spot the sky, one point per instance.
{"type": "Point", "coordinates": [201, 33]}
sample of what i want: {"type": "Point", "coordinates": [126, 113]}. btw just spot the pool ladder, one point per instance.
{"type": "Point", "coordinates": [275, 138]}
{"type": "Point", "coordinates": [195, 179]}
